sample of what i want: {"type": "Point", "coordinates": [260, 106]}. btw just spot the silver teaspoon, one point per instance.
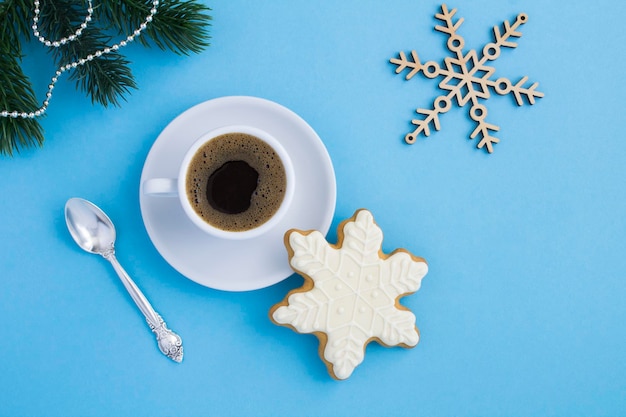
{"type": "Point", "coordinates": [94, 232]}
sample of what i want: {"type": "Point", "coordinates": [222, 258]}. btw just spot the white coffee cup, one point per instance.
{"type": "Point", "coordinates": [177, 187]}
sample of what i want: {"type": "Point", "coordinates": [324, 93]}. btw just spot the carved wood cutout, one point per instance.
{"type": "Point", "coordinates": [467, 78]}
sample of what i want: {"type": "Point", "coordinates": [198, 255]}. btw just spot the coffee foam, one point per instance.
{"type": "Point", "coordinates": [266, 199]}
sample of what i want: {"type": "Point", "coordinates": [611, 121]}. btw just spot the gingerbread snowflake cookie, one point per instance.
{"type": "Point", "coordinates": [351, 292]}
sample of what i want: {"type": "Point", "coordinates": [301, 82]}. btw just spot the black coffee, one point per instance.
{"type": "Point", "coordinates": [236, 182]}
{"type": "Point", "coordinates": [230, 187]}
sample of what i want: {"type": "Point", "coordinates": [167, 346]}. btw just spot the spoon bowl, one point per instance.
{"type": "Point", "coordinates": [89, 226]}
{"type": "Point", "coordinates": [94, 232]}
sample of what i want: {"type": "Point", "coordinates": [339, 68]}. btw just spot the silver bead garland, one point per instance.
{"type": "Point", "coordinates": [82, 61]}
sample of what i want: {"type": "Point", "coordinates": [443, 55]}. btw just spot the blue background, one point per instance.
{"type": "Point", "coordinates": [522, 312]}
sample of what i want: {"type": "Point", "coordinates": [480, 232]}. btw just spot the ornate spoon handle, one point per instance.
{"type": "Point", "coordinates": [169, 342]}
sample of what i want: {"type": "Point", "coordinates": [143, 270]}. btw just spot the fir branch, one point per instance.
{"type": "Point", "coordinates": [105, 79]}
{"type": "Point", "coordinates": [14, 15]}
{"type": "Point", "coordinates": [59, 18]}
{"type": "Point", "coordinates": [17, 134]}
{"type": "Point", "coordinates": [16, 92]}
{"type": "Point", "coordinates": [180, 26]}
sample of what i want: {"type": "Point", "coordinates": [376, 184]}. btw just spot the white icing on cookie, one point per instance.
{"type": "Point", "coordinates": [354, 294]}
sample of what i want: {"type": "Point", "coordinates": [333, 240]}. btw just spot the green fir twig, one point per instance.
{"type": "Point", "coordinates": [16, 91]}
{"type": "Point", "coordinates": [180, 26]}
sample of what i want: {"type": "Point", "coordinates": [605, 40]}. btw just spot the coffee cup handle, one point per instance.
{"type": "Point", "coordinates": [161, 187]}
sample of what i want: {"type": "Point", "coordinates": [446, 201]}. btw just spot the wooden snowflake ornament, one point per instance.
{"type": "Point", "coordinates": [467, 78]}
{"type": "Point", "coordinates": [351, 292]}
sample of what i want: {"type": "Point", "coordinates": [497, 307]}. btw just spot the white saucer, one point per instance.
{"type": "Point", "coordinates": [246, 264]}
